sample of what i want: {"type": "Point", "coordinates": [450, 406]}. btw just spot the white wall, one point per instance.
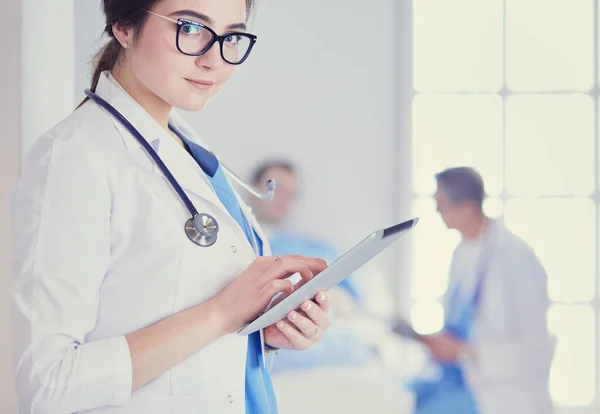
{"type": "Point", "coordinates": [89, 25]}
{"type": "Point", "coordinates": [10, 116]}
{"type": "Point", "coordinates": [319, 89]}
{"type": "Point", "coordinates": [48, 66]}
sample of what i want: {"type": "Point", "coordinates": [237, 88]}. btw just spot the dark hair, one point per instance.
{"type": "Point", "coordinates": [260, 171]}
{"type": "Point", "coordinates": [462, 184]}
{"type": "Point", "coordinates": [129, 13]}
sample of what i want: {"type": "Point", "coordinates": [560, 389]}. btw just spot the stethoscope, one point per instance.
{"type": "Point", "coordinates": [202, 229]}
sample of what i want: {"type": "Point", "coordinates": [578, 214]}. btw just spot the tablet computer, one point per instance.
{"type": "Point", "coordinates": [337, 271]}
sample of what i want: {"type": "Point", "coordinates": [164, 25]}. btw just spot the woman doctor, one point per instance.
{"type": "Point", "coordinates": [119, 305]}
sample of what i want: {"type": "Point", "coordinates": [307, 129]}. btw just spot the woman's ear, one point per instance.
{"type": "Point", "coordinates": [124, 35]}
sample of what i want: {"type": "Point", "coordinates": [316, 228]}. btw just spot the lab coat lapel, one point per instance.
{"type": "Point", "coordinates": [182, 166]}
{"type": "Point", "coordinates": [187, 172]}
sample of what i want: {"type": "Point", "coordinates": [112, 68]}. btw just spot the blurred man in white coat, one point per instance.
{"type": "Point", "coordinates": [493, 354]}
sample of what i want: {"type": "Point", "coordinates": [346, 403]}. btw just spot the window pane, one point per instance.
{"type": "Point", "coordinates": [549, 44]}
{"type": "Point", "coordinates": [427, 317]}
{"type": "Point", "coordinates": [457, 45]}
{"type": "Point", "coordinates": [452, 130]}
{"type": "Point", "coordinates": [550, 145]}
{"type": "Point", "coordinates": [562, 233]}
{"type": "Point", "coordinates": [432, 252]}
{"type": "Point", "coordinates": [572, 380]}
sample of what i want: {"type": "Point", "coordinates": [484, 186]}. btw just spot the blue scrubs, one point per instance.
{"type": "Point", "coordinates": [260, 394]}
{"type": "Point", "coordinates": [450, 394]}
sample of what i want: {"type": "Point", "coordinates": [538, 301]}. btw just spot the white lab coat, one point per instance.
{"type": "Point", "coordinates": [100, 251]}
{"type": "Point", "coordinates": [512, 347]}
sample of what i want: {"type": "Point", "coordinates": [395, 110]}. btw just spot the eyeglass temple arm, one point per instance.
{"type": "Point", "coordinates": [164, 17]}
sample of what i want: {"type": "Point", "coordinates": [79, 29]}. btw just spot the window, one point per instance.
{"type": "Point", "coordinates": [510, 87]}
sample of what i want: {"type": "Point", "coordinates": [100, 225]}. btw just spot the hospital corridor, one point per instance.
{"type": "Point", "coordinates": [278, 206]}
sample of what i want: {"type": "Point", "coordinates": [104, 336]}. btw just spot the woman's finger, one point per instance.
{"type": "Point", "coordinates": [316, 314]}
{"type": "Point", "coordinates": [305, 325]}
{"type": "Point", "coordinates": [297, 340]}
{"type": "Point", "coordinates": [316, 265]}
{"type": "Point", "coordinates": [322, 299]}
{"type": "Point", "coordinates": [274, 287]}
{"type": "Point", "coordinates": [286, 267]}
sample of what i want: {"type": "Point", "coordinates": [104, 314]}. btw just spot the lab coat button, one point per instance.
{"type": "Point", "coordinates": [233, 249]}
{"type": "Point", "coordinates": [230, 399]}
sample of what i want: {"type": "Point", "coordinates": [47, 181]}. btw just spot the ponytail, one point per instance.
{"type": "Point", "coordinates": [105, 60]}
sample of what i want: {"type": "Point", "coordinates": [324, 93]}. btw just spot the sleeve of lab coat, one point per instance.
{"type": "Point", "coordinates": [524, 348]}
{"type": "Point", "coordinates": [61, 251]}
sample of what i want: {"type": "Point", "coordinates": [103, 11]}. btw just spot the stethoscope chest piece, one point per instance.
{"type": "Point", "coordinates": [202, 230]}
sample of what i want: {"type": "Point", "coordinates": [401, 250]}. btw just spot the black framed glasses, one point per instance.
{"type": "Point", "coordinates": [195, 39]}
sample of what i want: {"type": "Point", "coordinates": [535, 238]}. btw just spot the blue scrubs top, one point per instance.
{"type": "Point", "coordinates": [450, 393]}
{"type": "Point", "coordinates": [260, 394]}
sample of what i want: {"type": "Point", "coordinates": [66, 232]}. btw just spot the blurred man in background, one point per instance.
{"type": "Point", "coordinates": [493, 355]}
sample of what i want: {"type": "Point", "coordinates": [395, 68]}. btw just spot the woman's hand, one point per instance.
{"type": "Point", "coordinates": [302, 328]}
{"type": "Point", "coordinates": [251, 292]}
